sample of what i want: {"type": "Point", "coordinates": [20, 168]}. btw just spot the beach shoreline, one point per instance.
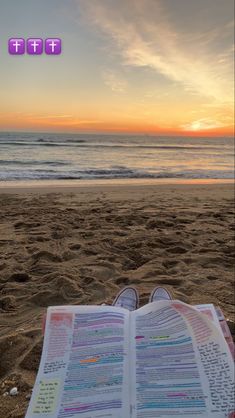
{"type": "Point", "coordinates": [61, 186]}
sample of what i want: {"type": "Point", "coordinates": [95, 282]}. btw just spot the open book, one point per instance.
{"type": "Point", "coordinates": [164, 360]}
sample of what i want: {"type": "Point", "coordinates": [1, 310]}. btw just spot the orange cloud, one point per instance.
{"type": "Point", "coordinates": [67, 123]}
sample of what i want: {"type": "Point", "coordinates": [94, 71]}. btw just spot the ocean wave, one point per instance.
{"type": "Point", "coordinates": [119, 173]}
{"type": "Point", "coordinates": [32, 162]}
{"type": "Point", "coordinates": [84, 144]}
{"type": "Point", "coordinates": [45, 140]}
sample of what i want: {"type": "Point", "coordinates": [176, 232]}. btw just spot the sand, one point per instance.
{"type": "Point", "coordinates": [81, 245]}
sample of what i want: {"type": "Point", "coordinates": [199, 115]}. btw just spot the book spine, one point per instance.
{"type": "Point", "coordinates": [132, 410]}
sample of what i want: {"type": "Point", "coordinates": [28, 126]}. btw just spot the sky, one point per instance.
{"type": "Point", "coordinates": [140, 66]}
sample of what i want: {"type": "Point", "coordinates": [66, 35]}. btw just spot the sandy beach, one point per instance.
{"type": "Point", "coordinates": [81, 245]}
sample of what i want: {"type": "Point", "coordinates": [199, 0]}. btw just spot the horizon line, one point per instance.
{"type": "Point", "coordinates": [122, 133]}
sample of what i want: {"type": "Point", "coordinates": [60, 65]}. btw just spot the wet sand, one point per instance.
{"type": "Point", "coordinates": [80, 245]}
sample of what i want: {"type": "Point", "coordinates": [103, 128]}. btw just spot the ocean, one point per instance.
{"type": "Point", "coordinates": [47, 156]}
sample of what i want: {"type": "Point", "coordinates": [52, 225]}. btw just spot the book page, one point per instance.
{"type": "Point", "coordinates": [219, 319]}
{"type": "Point", "coordinates": [216, 315]}
{"type": "Point", "coordinates": [209, 310]}
{"type": "Point", "coordinates": [84, 365]}
{"type": "Point", "coordinates": [183, 365]}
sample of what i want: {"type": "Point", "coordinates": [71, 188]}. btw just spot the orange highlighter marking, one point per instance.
{"type": "Point", "coordinates": [90, 360]}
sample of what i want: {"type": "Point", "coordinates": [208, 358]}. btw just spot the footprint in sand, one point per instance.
{"type": "Point", "coordinates": [177, 250]}
{"type": "Point", "coordinates": [8, 303]}
{"type": "Point", "coordinates": [32, 358]}
{"type": "Point", "coordinates": [124, 281]}
{"type": "Point", "coordinates": [11, 349]}
{"type": "Point", "coordinates": [75, 247]}
{"type": "Point", "coordinates": [168, 264]}
{"type": "Point", "coordinates": [173, 281]}
{"type": "Point", "coordinates": [19, 277]}
{"type": "Point", "coordinates": [48, 298]}
{"type": "Point", "coordinates": [46, 255]}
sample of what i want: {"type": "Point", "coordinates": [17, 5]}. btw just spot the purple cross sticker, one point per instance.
{"type": "Point", "coordinates": [53, 46]}
{"type": "Point", "coordinates": [16, 46]}
{"type": "Point", "coordinates": [34, 46]}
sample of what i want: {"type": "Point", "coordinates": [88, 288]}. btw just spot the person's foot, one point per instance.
{"type": "Point", "coordinates": [159, 293]}
{"type": "Point", "coordinates": [127, 298]}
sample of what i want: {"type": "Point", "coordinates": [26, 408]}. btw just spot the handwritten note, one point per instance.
{"type": "Point", "coordinates": [46, 397]}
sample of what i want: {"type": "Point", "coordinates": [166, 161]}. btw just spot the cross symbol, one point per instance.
{"type": "Point", "coordinates": [16, 45]}
{"type": "Point", "coordinates": [35, 45]}
{"type": "Point", "coordinates": [53, 44]}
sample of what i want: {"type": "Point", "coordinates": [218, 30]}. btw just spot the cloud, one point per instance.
{"type": "Point", "coordinates": [70, 120]}
{"type": "Point", "coordinates": [144, 34]}
{"type": "Point", "coordinates": [114, 81]}
{"type": "Point", "coordinates": [54, 116]}
{"type": "Point", "coordinates": [203, 124]}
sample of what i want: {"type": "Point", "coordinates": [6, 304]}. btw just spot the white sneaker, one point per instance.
{"type": "Point", "coordinates": [127, 298]}
{"type": "Point", "coordinates": [159, 293]}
